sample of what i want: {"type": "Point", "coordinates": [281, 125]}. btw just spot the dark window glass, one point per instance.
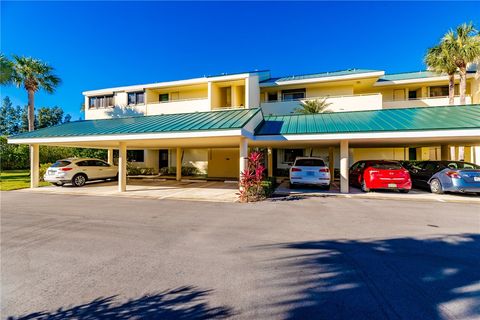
{"type": "Point", "coordinates": [387, 165]}
{"type": "Point", "coordinates": [136, 98]}
{"type": "Point", "coordinates": [310, 163]}
{"type": "Point", "coordinates": [412, 94]}
{"type": "Point", "coordinates": [135, 156]}
{"type": "Point", "coordinates": [294, 94]}
{"type": "Point", "coordinates": [60, 163]}
{"type": "Point", "coordinates": [82, 163]}
{"type": "Point", "coordinates": [131, 98]}
{"type": "Point", "coordinates": [272, 96]}
{"type": "Point", "coordinates": [101, 101]}
{"type": "Point", "coordinates": [99, 163]}
{"type": "Point", "coordinates": [439, 91]}
{"type": "Point", "coordinates": [430, 166]}
{"type": "Point", "coordinates": [163, 97]}
{"type": "Point", "coordinates": [290, 155]}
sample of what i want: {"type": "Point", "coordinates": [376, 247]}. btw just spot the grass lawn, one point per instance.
{"type": "Point", "coordinates": [16, 179]}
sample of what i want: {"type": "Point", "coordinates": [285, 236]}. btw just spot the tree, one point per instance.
{"type": "Point", "coordinates": [463, 47]}
{"type": "Point", "coordinates": [439, 60]}
{"type": "Point", "coordinates": [6, 70]}
{"type": "Point", "coordinates": [49, 117]}
{"type": "Point", "coordinates": [10, 118]}
{"type": "Point", "coordinates": [313, 106]}
{"type": "Point", "coordinates": [33, 75]}
{"type": "Point", "coordinates": [67, 118]}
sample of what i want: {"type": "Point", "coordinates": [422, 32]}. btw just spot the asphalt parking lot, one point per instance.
{"type": "Point", "coordinates": [84, 257]}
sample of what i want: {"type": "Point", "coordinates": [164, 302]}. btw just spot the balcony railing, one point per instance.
{"type": "Point", "coordinates": [337, 103]}
{"type": "Point", "coordinates": [178, 106]}
{"type": "Point", "coordinates": [424, 102]}
{"type": "Point", "coordinates": [323, 97]}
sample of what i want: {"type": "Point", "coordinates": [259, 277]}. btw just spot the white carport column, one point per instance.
{"type": "Point", "coordinates": [243, 155]}
{"type": "Point", "coordinates": [344, 166]}
{"type": "Point", "coordinates": [179, 164]}
{"type": "Point", "coordinates": [110, 156]}
{"type": "Point", "coordinates": [122, 167]}
{"type": "Point", "coordinates": [34, 165]}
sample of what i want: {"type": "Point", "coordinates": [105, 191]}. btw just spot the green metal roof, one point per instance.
{"type": "Point", "coordinates": [422, 118]}
{"type": "Point", "coordinates": [412, 75]}
{"type": "Point", "coordinates": [180, 122]}
{"type": "Point", "coordinates": [273, 81]}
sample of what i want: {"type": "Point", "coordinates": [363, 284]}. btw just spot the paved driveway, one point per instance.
{"type": "Point", "coordinates": [79, 257]}
{"type": "Point", "coordinates": [153, 189]}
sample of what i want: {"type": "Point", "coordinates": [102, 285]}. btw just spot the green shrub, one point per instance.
{"type": "Point", "coordinates": [132, 170]}
{"type": "Point", "coordinates": [43, 169]}
{"type": "Point", "coordinates": [186, 171]}
{"type": "Point", "coordinates": [269, 186]}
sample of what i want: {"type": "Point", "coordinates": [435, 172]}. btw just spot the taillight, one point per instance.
{"type": "Point", "coordinates": [296, 169]}
{"type": "Point", "coordinates": [453, 175]}
{"type": "Point", "coordinates": [65, 169]}
{"type": "Point", "coordinates": [324, 170]}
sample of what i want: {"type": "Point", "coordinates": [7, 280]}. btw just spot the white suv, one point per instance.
{"type": "Point", "coordinates": [79, 170]}
{"type": "Point", "coordinates": [309, 170]}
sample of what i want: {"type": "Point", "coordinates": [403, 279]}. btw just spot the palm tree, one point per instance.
{"type": "Point", "coordinates": [6, 70]}
{"type": "Point", "coordinates": [33, 75]}
{"type": "Point", "coordinates": [463, 46]}
{"type": "Point", "coordinates": [313, 106]}
{"type": "Point", "coordinates": [438, 60]}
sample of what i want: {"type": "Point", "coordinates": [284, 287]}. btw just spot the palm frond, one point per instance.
{"type": "Point", "coordinates": [313, 106]}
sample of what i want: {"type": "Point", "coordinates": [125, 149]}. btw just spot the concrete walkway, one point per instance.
{"type": "Point", "coordinates": [168, 189]}
{"type": "Point", "coordinates": [283, 190]}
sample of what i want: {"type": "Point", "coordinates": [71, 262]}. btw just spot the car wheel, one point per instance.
{"type": "Point", "coordinates": [115, 178]}
{"type": "Point", "coordinates": [292, 186]}
{"type": "Point", "coordinates": [436, 186]}
{"type": "Point", "coordinates": [79, 180]}
{"type": "Point", "coordinates": [364, 187]}
{"type": "Point", "coordinates": [404, 190]}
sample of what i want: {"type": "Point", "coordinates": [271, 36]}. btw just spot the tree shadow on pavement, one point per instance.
{"type": "Point", "coordinates": [400, 278]}
{"type": "Point", "coordinates": [180, 303]}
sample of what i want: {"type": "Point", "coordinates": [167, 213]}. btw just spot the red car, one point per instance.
{"type": "Point", "coordinates": [380, 174]}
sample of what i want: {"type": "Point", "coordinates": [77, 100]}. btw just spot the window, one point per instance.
{"type": "Point", "coordinates": [412, 94]}
{"type": "Point", "coordinates": [272, 96]}
{"type": "Point", "coordinates": [310, 163]}
{"type": "Point", "coordinates": [290, 155]}
{"type": "Point", "coordinates": [60, 164]}
{"type": "Point", "coordinates": [163, 97]}
{"type": "Point", "coordinates": [83, 163]}
{"type": "Point", "coordinates": [101, 102]}
{"type": "Point", "coordinates": [99, 163]}
{"type": "Point", "coordinates": [439, 91]}
{"type": "Point", "coordinates": [136, 97]}
{"type": "Point", "coordinates": [135, 156]}
{"type": "Point", "coordinates": [294, 94]}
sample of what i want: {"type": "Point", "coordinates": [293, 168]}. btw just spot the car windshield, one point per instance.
{"type": "Point", "coordinates": [309, 163]}
{"type": "Point", "coordinates": [60, 163]}
{"type": "Point", "coordinates": [387, 165]}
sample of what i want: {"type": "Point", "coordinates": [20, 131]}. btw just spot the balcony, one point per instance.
{"type": "Point", "coordinates": [178, 106]}
{"type": "Point", "coordinates": [337, 104]}
{"type": "Point", "coordinates": [423, 102]}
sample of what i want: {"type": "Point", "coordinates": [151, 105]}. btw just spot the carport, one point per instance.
{"type": "Point", "coordinates": [413, 127]}
{"type": "Point", "coordinates": [219, 129]}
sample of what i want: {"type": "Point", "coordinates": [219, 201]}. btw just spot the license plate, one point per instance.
{"type": "Point", "coordinates": [310, 173]}
{"type": "Point", "coordinates": [476, 179]}
{"type": "Point", "coordinates": [392, 185]}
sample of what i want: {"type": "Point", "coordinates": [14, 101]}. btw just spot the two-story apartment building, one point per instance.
{"type": "Point", "coordinates": [345, 91]}
{"type": "Point", "coordinates": [209, 123]}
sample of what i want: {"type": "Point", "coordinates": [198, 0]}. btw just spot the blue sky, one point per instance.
{"type": "Point", "coordinates": [95, 45]}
